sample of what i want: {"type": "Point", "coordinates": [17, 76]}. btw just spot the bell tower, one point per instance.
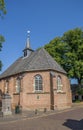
{"type": "Point", "coordinates": [27, 51]}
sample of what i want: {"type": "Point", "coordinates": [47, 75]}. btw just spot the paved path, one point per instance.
{"type": "Point", "coordinates": [71, 119]}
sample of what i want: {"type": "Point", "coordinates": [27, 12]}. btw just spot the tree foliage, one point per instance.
{"type": "Point", "coordinates": [1, 41]}
{"type": "Point", "coordinates": [2, 8]}
{"type": "Point", "coordinates": [68, 51]}
{"type": "Point", "coordinates": [2, 12]}
{"type": "Point", "coordinates": [79, 91]}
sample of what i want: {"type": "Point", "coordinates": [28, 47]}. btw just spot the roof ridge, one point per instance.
{"type": "Point", "coordinates": [46, 55]}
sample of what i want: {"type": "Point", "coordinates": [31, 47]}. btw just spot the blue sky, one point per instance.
{"type": "Point", "coordinates": [46, 19]}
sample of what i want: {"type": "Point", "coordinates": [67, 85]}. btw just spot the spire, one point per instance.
{"type": "Point", "coordinates": [28, 40]}
{"type": "Point", "coordinates": [27, 51]}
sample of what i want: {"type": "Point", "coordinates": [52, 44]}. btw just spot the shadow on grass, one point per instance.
{"type": "Point", "coordinates": [74, 124]}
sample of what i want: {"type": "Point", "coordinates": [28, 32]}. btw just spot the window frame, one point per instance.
{"type": "Point", "coordinates": [6, 86]}
{"type": "Point", "coordinates": [38, 83]}
{"type": "Point", "coordinates": [18, 85]}
{"type": "Point", "coordinates": [59, 83]}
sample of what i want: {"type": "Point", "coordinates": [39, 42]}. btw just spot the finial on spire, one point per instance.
{"type": "Point", "coordinates": [28, 40]}
{"type": "Point", "coordinates": [28, 33]}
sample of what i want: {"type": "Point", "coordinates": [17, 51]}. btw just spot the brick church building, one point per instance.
{"type": "Point", "coordinates": [36, 81]}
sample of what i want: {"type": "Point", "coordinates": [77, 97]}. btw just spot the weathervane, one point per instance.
{"type": "Point", "coordinates": [28, 33]}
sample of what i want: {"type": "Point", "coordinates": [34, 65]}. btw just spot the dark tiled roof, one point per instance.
{"type": "Point", "coordinates": [38, 60]}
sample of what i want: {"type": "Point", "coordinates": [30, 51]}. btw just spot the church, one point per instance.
{"type": "Point", "coordinates": [36, 81]}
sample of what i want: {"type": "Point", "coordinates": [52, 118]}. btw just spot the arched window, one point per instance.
{"type": "Point", "coordinates": [59, 83]}
{"type": "Point", "coordinates": [7, 86]}
{"type": "Point", "coordinates": [38, 83]}
{"type": "Point", "coordinates": [18, 85]}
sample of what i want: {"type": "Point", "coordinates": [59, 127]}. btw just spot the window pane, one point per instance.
{"type": "Point", "coordinates": [6, 87]}
{"type": "Point", "coordinates": [18, 85]}
{"type": "Point", "coordinates": [59, 83]}
{"type": "Point", "coordinates": [36, 87]}
{"type": "Point", "coordinates": [38, 82]}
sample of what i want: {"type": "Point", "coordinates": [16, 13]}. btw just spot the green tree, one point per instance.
{"type": "Point", "coordinates": [2, 8]}
{"type": "Point", "coordinates": [68, 51]}
{"type": "Point", "coordinates": [2, 12]}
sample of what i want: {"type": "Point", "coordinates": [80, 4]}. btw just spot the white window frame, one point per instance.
{"type": "Point", "coordinates": [38, 83]}
{"type": "Point", "coordinates": [59, 83]}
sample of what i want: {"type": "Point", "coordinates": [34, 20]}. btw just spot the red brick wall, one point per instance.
{"type": "Point", "coordinates": [62, 99]}
{"type": "Point", "coordinates": [31, 100]}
